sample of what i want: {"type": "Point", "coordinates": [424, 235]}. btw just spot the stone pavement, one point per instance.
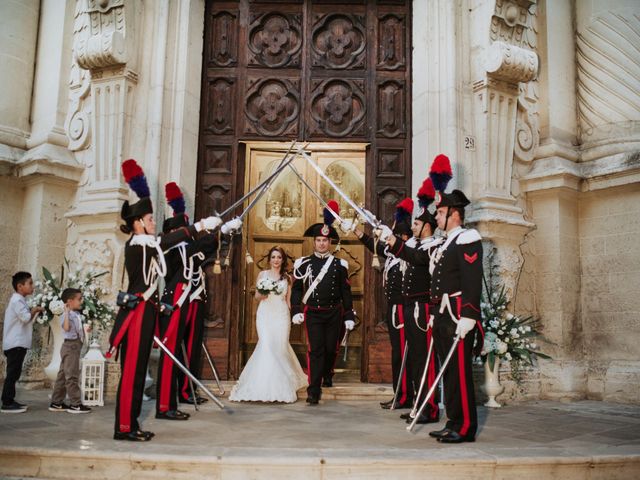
{"type": "Point", "coordinates": [337, 439]}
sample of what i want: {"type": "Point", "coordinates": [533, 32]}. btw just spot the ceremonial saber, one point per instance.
{"type": "Point", "coordinates": [431, 391]}
{"type": "Point", "coordinates": [213, 368]}
{"type": "Point", "coordinates": [258, 187]}
{"type": "Point", "coordinates": [266, 186]}
{"type": "Point", "coordinates": [346, 198]}
{"type": "Point", "coordinates": [193, 390]}
{"type": "Point", "coordinates": [403, 366]}
{"type": "Point", "coordinates": [423, 380]}
{"type": "Point", "coordinates": [315, 194]}
{"type": "Point", "coordinates": [186, 371]}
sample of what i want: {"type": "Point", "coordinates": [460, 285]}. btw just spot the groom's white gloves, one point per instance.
{"type": "Point", "coordinates": [232, 226]}
{"type": "Point", "coordinates": [371, 215]}
{"type": "Point", "coordinates": [465, 325]}
{"type": "Point", "coordinates": [349, 324]}
{"type": "Point", "coordinates": [346, 225]}
{"type": "Point", "coordinates": [298, 318]}
{"type": "Point", "coordinates": [209, 223]}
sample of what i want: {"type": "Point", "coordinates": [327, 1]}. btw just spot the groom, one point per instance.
{"type": "Point", "coordinates": [321, 295]}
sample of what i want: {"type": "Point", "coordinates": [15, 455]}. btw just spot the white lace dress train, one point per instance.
{"type": "Point", "coordinates": [273, 373]}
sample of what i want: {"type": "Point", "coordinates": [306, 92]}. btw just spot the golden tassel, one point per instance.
{"type": "Point", "coordinates": [248, 258]}
{"type": "Point", "coordinates": [375, 263]}
{"type": "Point", "coordinates": [217, 270]}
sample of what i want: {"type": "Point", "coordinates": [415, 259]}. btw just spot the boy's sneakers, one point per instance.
{"type": "Point", "coordinates": [78, 409]}
{"type": "Point", "coordinates": [58, 407]}
{"type": "Point", "coordinates": [14, 407]}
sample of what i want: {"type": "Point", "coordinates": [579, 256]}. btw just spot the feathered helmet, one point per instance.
{"type": "Point", "coordinates": [402, 217]}
{"type": "Point", "coordinates": [325, 229]}
{"type": "Point", "coordinates": [134, 176]}
{"type": "Point", "coordinates": [426, 195]}
{"type": "Point", "coordinates": [440, 174]}
{"type": "Point", "coordinates": [175, 199]}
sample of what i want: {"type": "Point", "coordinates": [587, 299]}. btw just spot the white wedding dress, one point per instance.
{"type": "Point", "coordinates": [273, 373]}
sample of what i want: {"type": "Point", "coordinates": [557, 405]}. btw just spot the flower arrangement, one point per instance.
{"type": "Point", "coordinates": [95, 313]}
{"type": "Point", "coordinates": [265, 286]}
{"type": "Point", "coordinates": [507, 336]}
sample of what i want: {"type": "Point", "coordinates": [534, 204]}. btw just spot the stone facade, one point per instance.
{"type": "Point", "coordinates": [535, 101]}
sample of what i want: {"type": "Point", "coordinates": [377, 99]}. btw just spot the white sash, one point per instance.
{"type": "Point", "coordinates": [318, 279]}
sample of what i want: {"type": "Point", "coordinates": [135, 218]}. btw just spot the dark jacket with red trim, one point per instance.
{"type": "Point", "coordinates": [334, 289]}
{"type": "Point", "coordinates": [392, 274]}
{"type": "Point", "coordinates": [458, 268]}
{"type": "Point", "coordinates": [416, 285]}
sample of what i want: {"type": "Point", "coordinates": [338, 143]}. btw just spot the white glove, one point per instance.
{"type": "Point", "coordinates": [298, 318]}
{"type": "Point", "coordinates": [371, 215]}
{"type": "Point", "coordinates": [349, 324]}
{"type": "Point", "coordinates": [346, 225]}
{"type": "Point", "coordinates": [233, 225]}
{"type": "Point", "coordinates": [430, 324]}
{"type": "Point", "coordinates": [209, 223]}
{"type": "Point", "coordinates": [465, 325]}
{"type": "Point", "coordinates": [383, 233]}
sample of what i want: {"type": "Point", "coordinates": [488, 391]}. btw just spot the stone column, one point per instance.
{"type": "Point", "coordinates": [505, 128]}
{"type": "Point", "coordinates": [102, 82]}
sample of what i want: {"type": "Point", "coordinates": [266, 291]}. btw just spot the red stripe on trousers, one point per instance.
{"type": "Point", "coordinates": [431, 372]}
{"type": "Point", "coordinates": [191, 321]}
{"type": "Point", "coordinates": [462, 378]}
{"type": "Point", "coordinates": [130, 366]}
{"type": "Point", "coordinates": [306, 329]}
{"type": "Point", "coordinates": [125, 325]}
{"type": "Point", "coordinates": [166, 368]}
{"type": "Point", "coordinates": [403, 380]}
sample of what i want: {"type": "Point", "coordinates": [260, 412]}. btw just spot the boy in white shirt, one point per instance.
{"type": "Point", "coordinates": [16, 338]}
{"type": "Point", "coordinates": [73, 333]}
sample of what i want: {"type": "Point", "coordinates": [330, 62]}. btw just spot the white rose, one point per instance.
{"type": "Point", "coordinates": [507, 356]}
{"type": "Point", "coordinates": [509, 316]}
{"type": "Point", "coordinates": [500, 332]}
{"type": "Point", "coordinates": [56, 307]}
{"type": "Point", "coordinates": [501, 347]}
{"type": "Point", "coordinates": [527, 328]}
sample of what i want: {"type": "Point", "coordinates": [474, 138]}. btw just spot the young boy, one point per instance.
{"type": "Point", "coordinates": [73, 333]}
{"type": "Point", "coordinates": [17, 333]}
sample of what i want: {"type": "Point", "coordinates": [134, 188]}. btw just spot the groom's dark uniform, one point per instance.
{"type": "Point", "coordinates": [322, 293]}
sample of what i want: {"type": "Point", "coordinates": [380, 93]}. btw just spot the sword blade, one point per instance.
{"type": "Point", "coordinates": [346, 198]}
{"type": "Point", "coordinates": [403, 366]}
{"type": "Point", "coordinates": [193, 390]}
{"type": "Point", "coordinates": [435, 382]}
{"type": "Point", "coordinates": [423, 380]}
{"type": "Point", "coordinates": [314, 193]}
{"type": "Point", "coordinates": [213, 369]}
{"type": "Point", "coordinates": [186, 371]}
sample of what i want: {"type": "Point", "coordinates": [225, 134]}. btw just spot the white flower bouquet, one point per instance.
{"type": "Point", "coordinates": [265, 286]}
{"type": "Point", "coordinates": [507, 335]}
{"type": "Point", "coordinates": [95, 313]}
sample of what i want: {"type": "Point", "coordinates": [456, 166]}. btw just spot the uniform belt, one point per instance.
{"type": "Point", "coordinates": [332, 307]}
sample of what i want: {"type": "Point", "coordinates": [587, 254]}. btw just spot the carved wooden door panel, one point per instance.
{"type": "Point", "coordinates": [322, 71]}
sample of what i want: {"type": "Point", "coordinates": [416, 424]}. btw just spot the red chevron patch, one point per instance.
{"type": "Point", "coordinates": [471, 258]}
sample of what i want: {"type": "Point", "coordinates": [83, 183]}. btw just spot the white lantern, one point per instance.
{"type": "Point", "coordinates": [92, 381]}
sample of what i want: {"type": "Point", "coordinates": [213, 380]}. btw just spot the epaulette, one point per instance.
{"type": "Point", "coordinates": [344, 263]}
{"type": "Point", "coordinates": [470, 235]}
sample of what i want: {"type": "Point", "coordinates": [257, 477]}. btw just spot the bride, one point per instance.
{"type": "Point", "coordinates": [273, 373]}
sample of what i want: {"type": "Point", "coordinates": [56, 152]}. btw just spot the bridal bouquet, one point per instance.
{"type": "Point", "coordinates": [265, 286]}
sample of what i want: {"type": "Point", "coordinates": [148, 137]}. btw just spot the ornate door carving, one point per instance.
{"type": "Point", "coordinates": [283, 70]}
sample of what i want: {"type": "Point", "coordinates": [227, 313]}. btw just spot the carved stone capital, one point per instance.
{"type": "Point", "coordinates": [100, 38]}
{"type": "Point", "coordinates": [511, 63]}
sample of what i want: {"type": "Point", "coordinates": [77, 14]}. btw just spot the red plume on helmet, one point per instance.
{"type": "Point", "coordinates": [440, 172]}
{"type": "Point", "coordinates": [404, 210]}
{"type": "Point", "coordinates": [328, 217]}
{"type": "Point", "coordinates": [175, 198]}
{"type": "Point", "coordinates": [426, 194]}
{"type": "Point", "coordinates": [134, 176]}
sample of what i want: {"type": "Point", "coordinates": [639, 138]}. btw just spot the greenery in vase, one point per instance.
{"type": "Point", "coordinates": [508, 336]}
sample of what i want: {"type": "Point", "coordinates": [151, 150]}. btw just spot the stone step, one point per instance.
{"type": "Point", "coordinates": [340, 391]}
